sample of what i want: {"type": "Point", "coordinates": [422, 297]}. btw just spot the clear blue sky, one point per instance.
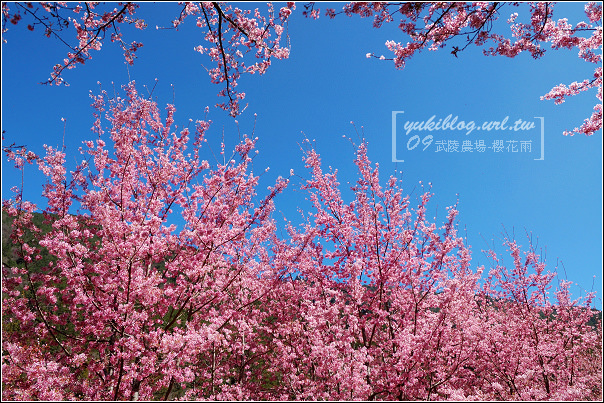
{"type": "Point", "coordinates": [327, 83]}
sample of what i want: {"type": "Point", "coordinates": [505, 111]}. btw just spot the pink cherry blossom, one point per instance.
{"type": "Point", "coordinates": [434, 25]}
{"type": "Point", "coordinates": [239, 41]}
{"type": "Point", "coordinates": [160, 276]}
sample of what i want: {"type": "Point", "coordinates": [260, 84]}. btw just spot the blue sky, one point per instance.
{"type": "Point", "coordinates": [327, 83]}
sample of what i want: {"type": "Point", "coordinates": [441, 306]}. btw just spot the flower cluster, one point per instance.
{"type": "Point", "coordinates": [231, 34]}
{"type": "Point", "coordinates": [153, 274]}
{"type": "Point", "coordinates": [91, 26]}
{"type": "Point", "coordinates": [434, 25]}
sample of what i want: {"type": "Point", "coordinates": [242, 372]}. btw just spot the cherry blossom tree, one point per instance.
{"type": "Point", "coordinates": [387, 306]}
{"type": "Point", "coordinates": [161, 276]}
{"type": "Point", "coordinates": [132, 305]}
{"type": "Point", "coordinates": [527, 346]}
{"type": "Point", "coordinates": [241, 41]}
{"type": "Point", "coordinates": [384, 298]}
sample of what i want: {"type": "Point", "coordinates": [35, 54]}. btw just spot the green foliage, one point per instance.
{"type": "Point", "coordinates": [10, 252]}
